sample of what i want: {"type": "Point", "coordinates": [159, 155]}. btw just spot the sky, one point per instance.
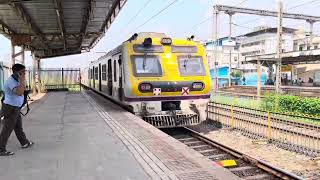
{"type": "Point", "coordinates": [180, 20]}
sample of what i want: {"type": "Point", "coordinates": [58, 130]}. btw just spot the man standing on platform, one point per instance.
{"type": "Point", "coordinates": [14, 88]}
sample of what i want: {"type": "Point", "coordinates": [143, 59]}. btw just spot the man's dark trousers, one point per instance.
{"type": "Point", "coordinates": [12, 121]}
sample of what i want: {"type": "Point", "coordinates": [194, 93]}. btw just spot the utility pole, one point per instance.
{"type": "Point", "coordinates": [279, 47]}
{"type": "Point", "coordinates": [311, 22]}
{"type": "Point", "coordinates": [23, 55]}
{"type": "Point", "coordinates": [13, 53]}
{"type": "Point", "coordinates": [230, 34]}
{"type": "Point", "coordinates": [258, 78]}
{"type": "Point", "coordinates": [215, 37]}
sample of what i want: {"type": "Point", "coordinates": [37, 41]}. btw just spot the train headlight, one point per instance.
{"type": "Point", "coordinates": [166, 41]}
{"type": "Point", "coordinates": [145, 87]}
{"type": "Point", "coordinates": [198, 86]}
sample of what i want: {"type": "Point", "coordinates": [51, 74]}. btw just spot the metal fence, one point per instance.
{"type": "Point", "coordinates": [294, 133]}
{"type": "Point", "coordinates": [4, 74]}
{"type": "Point", "coordinates": [49, 79]}
{"type": "Point", "coordinates": [60, 79]}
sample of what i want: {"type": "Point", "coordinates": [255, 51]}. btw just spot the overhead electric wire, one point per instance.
{"type": "Point", "coordinates": [290, 8]}
{"type": "Point", "coordinates": [137, 14]}
{"type": "Point", "coordinates": [155, 15]}
{"type": "Point", "coordinates": [208, 18]}
{"type": "Point", "coordinates": [302, 4]}
{"type": "Point", "coordinates": [246, 27]}
{"type": "Point", "coordinates": [241, 2]}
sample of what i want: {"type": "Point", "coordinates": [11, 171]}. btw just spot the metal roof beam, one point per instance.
{"type": "Point", "coordinates": [6, 30]}
{"type": "Point", "coordinates": [231, 9]}
{"type": "Point", "coordinates": [21, 12]}
{"type": "Point", "coordinates": [117, 4]}
{"type": "Point", "coordinates": [58, 6]}
{"type": "Point", "coordinates": [113, 12]}
{"type": "Point", "coordinates": [85, 22]}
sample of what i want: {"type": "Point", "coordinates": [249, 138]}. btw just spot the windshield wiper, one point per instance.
{"type": "Point", "coordinates": [144, 61]}
{"type": "Point", "coordinates": [185, 63]}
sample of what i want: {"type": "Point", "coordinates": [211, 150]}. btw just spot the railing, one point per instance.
{"type": "Point", "coordinates": [4, 74]}
{"type": "Point", "coordinates": [291, 132]}
{"type": "Point", "coordinates": [50, 79]}
{"type": "Point", "coordinates": [60, 79]}
{"type": "Point", "coordinates": [293, 90]}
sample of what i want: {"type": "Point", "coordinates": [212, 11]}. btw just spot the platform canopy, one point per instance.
{"type": "Point", "coordinates": [294, 58]}
{"type": "Point", "coordinates": [52, 28]}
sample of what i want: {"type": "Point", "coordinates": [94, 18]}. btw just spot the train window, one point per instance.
{"type": "Point", "coordinates": [96, 73]}
{"type": "Point", "coordinates": [191, 66]}
{"type": "Point", "coordinates": [184, 49]}
{"type": "Point", "coordinates": [139, 48]}
{"type": "Point", "coordinates": [104, 72]}
{"type": "Point", "coordinates": [146, 66]}
{"type": "Point", "coordinates": [115, 71]}
{"type": "Point", "coordinates": [89, 73]}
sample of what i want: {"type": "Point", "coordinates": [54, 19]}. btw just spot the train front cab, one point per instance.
{"type": "Point", "coordinates": [165, 77]}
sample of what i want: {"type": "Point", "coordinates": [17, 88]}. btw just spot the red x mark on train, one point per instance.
{"type": "Point", "coordinates": [185, 91]}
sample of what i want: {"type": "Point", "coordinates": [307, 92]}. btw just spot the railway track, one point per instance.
{"type": "Point", "coordinates": [246, 167]}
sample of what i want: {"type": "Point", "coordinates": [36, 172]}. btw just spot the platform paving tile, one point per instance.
{"type": "Point", "coordinates": [69, 145]}
{"type": "Point", "coordinates": [167, 157]}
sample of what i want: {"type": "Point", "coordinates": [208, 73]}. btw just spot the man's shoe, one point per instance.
{"type": "Point", "coordinates": [6, 153]}
{"type": "Point", "coordinates": [29, 144]}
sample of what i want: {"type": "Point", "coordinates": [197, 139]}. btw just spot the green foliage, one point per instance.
{"type": "Point", "coordinates": [236, 73]}
{"type": "Point", "coordinates": [290, 103]}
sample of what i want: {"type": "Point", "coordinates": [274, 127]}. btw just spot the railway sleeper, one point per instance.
{"type": "Point", "coordinates": [191, 142]}
{"type": "Point", "coordinates": [221, 156]}
{"type": "Point", "coordinates": [193, 145]}
{"type": "Point", "coordinates": [200, 147]}
{"type": "Point", "coordinates": [210, 152]}
{"type": "Point", "coordinates": [243, 168]}
{"type": "Point", "coordinates": [248, 172]}
{"type": "Point", "coordinates": [259, 176]}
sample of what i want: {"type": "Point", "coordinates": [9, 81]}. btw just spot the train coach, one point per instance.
{"type": "Point", "coordinates": [164, 80]}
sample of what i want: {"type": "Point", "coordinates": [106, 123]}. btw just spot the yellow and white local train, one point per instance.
{"type": "Point", "coordinates": [166, 81]}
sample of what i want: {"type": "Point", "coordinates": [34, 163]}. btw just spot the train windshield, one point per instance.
{"type": "Point", "coordinates": [191, 66]}
{"type": "Point", "coordinates": [146, 66]}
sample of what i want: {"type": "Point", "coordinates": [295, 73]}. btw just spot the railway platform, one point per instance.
{"type": "Point", "coordinates": [79, 135]}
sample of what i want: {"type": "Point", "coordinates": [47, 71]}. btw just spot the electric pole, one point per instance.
{"type": "Point", "coordinates": [279, 47]}
{"type": "Point", "coordinates": [215, 27]}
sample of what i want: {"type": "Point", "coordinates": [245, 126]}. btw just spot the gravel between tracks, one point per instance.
{"type": "Point", "coordinates": [300, 165]}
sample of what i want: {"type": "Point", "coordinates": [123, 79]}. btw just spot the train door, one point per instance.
{"type": "Point", "coordinates": [120, 90]}
{"type": "Point", "coordinates": [93, 78]}
{"type": "Point", "coordinates": [89, 77]}
{"type": "Point", "coordinates": [110, 87]}
{"type": "Point", "coordinates": [99, 77]}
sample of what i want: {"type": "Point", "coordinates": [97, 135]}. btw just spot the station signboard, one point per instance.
{"type": "Point", "coordinates": [286, 68]}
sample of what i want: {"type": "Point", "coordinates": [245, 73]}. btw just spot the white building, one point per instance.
{"type": "Point", "coordinates": [264, 41]}
{"type": "Point", "coordinates": [305, 41]}
{"type": "Point", "coordinates": [225, 48]}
